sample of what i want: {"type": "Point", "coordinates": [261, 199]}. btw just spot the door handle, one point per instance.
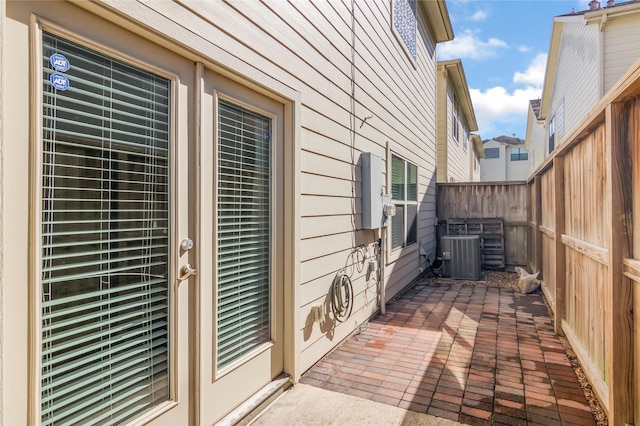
{"type": "Point", "coordinates": [187, 272]}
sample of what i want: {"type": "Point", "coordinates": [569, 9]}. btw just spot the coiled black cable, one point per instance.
{"type": "Point", "coordinates": [341, 297]}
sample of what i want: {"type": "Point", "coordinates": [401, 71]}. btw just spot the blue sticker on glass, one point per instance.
{"type": "Point", "coordinates": [59, 81]}
{"type": "Point", "coordinates": [59, 62]}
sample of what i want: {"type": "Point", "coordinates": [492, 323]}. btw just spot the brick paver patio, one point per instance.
{"type": "Point", "coordinates": [473, 354]}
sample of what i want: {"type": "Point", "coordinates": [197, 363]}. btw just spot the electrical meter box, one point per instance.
{"type": "Point", "coordinates": [372, 197]}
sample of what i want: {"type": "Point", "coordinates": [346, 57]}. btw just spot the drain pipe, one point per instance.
{"type": "Point", "coordinates": [383, 249]}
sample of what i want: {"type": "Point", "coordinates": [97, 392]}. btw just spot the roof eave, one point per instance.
{"type": "Point", "coordinates": [592, 16]}
{"type": "Point", "coordinates": [550, 71]}
{"type": "Point", "coordinates": [476, 140]}
{"type": "Point", "coordinates": [455, 74]}
{"type": "Point", "coordinates": [437, 15]}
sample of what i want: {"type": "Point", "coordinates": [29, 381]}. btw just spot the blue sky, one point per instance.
{"type": "Point", "coordinates": [503, 45]}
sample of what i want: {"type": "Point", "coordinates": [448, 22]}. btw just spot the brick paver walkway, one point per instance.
{"type": "Point", "coordinates": [473, 354]}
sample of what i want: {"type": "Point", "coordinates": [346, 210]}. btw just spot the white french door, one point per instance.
{"type": "Point", "coordinates": [128, 333]}
{"type": "Point", "coordinates": [113, 196]}
{"type": "Point", "coordinates": [140, 153]}
{"type": "Point", "coordinates": [241, 249]}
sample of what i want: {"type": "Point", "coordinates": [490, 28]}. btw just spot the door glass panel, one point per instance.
{"type": "Point", "coordinates": [105, 237]}
{"type": "Point", "coordinates": [244, 232]}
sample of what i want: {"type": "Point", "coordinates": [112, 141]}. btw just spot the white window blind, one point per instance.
{"type": "Point", "coordinates": [105, 238]}
{"type": "Point", "coordinates": [244, 232]}
{"type": "Point", "coordinates": [404, 194]}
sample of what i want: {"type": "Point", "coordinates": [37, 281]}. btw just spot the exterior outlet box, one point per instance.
{"type": "Point", "coordinates": [372, 197]}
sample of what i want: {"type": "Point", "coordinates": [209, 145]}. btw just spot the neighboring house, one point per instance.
{"type": "Point", "coordinates": [536, 136]}
{"type": "Point", "coordinates": [456, 119]}
{"type": "Point", "coordinates": [589, 51]}
{"type": "Point", "coordinates": [505, 159]}
{"type": "Point", "coordinates": [181, 189]}
{"type": "Point", "coordinates": [477, 154]}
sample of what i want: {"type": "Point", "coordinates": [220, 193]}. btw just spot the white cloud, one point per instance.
{"type": "Point", "coordinates": [468, 45]}
{"type": "Point", "coordinates": [496, 108]}
{"type": "Point", "coordinates": [499, 111]}
{"type": "Point", "coordinates": [524, 48]}
{"type": "Point", "coordinates": [479, 15]}
{"type": "Point", "coordinates": [534, 75]}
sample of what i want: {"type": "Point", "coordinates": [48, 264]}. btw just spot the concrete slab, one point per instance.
{"type": "Point", "coordinates": [309, 405]}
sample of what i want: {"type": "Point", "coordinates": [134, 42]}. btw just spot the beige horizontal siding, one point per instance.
{"type": "Point", "coordinates": [621, 48]}
{"type": "Point", "coordinates": [307, 47]}
{"type": "Point", "coordinates": [576, 84]}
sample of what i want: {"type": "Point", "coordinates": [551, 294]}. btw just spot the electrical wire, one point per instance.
{"type": "Point", "coordinates": [341, 297]}
{"type": "Point", "coordinates": [355, 260]}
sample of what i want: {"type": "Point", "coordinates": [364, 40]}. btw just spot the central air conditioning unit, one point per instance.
{"type": "Point", "coordinates": [461, 256]}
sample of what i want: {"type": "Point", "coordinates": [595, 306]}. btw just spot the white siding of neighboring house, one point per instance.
{"type": "Point", "coordinates": [621, 48]}
{"type": "Point", "coordinates": [453, 158]}
{"type": "Point", "coordinates": [516, 170]}
{"type": "Point", "coordinates": [576, 82]}
{"type": "Point", "coordinates": [305, 47]}
{"type": "Point", "coordinates": [535, 140]}
{"type": "Point", "coordinates": [444, 126]}
{"type": "Point", "coordinates": [474, 166]}
{"type": "Point", "coordinates": [457, 165]}
{"type": "Point", "coordinates": [537, 150]}
{"type": "Point", "coordinates": [493, 169]}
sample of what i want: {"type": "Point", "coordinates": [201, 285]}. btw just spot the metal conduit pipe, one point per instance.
{"type": "Point", "coordinates": [383, 248]}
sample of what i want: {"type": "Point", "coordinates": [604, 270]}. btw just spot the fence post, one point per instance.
{"type": "Point", "coordinates": [538, 222]}
{"type": "Point", "coordinates": [560, 255]}
{"type": "Point", "coordinates": [619, 297]}
{"type": "Point", "coordinates": [635, 209]}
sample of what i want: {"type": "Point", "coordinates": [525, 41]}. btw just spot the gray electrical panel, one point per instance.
{"type": "Point", "coordinates": [372, 198]}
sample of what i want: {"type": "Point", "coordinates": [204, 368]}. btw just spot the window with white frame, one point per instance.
{"type": "Point", "coordinates": [405, 24]}
{"type": "Point", "coordinates": [404, 194]}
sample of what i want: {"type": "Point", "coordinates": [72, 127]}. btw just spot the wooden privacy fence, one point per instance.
{"type": "Point", "coordinates": [470, 202]}
{"type": "Point", "coordinates": [584, 209]}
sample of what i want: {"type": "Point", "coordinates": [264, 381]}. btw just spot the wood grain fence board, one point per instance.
{"type": "Point", "coordinates": [548, 232]}
{"type": "Point", "coordinates": [632, 269]}
{"type": "Point", "coordinates": [549, 267]}
{"type": "Point", "coordinates": [600, 387]}
{"type": "Point", "coordinates": [619, 298]}
{"type": "Point", "coordinates": [546, 228]}
{"type": "Point", "coordinates": [560, 257]}
{"type": "Point", "coordinates": [632, 266]}
{"type": "Point", "coordinates": [538, 222]}
{"type": "Point", "coordinates": [587, 314]}
{"type": "Point", "coordinates": [599, 254]}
